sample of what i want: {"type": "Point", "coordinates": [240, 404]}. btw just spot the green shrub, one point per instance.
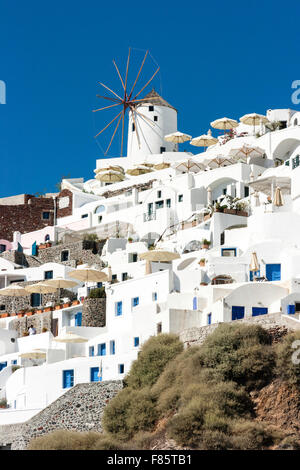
{"type": "Point", "coordinates": [154, 356]}
{"type": "Point", "coordinates": [97, 293]}
{"type": "Point", "coordinates": [250, 435]}
{"type": "Point", "coordinates": [129, 412]}
{"type": "Point", "coordinates": [64, 440]}
{"type": "Point", "coordinates": [286, 367]}
{"type": "Point", "coordinates": [240, 353]}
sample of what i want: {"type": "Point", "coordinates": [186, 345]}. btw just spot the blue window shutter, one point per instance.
{"type": "Point", "coordinates": [209, 319]}
{"type": "Point", "coordinates": [273, 272]}
{"type": "Point", "coordinates": [95, 374]}
{"type": "Point", "coordinates": [135, 301]}
{"type": "Point", "coordinates": [102, 349]}
{"type": "Point", "coordinates": [68, 378]}
{"type": "Point", "coordinates": [33, 249]}
{"type": "Point", "coordinates": [195, 303]}
{"type": "Point", "coordinates": [78, 319]}
{"type": "Point", "coordinates": [119, 308]}
{"type": "Point", "coordinates": [91, 351]}
{"type": "Point", "coordinates": [256, 311]}
{"type": "Point", "coordinates": [136, 341]}
{"type": "Point", "coordinates": [112, 347]}
{"type": "Point", "coordinates": [238, 312]}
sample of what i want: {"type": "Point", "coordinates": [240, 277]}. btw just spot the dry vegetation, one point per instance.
{"type": "Point", "coordinates": [205, 397]}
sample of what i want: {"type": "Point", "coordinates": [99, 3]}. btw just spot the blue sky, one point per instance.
{"type": "Point", "coordinates": [216, 58]}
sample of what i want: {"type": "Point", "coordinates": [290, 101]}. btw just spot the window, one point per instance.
{"type": "Point", "coordinates": [102, 349]}
{"type": "Point", "coordinates": [46, 215]}
{"type": "Point", "coordinates": [155, 118]}
{"type": "Point", "coordinates": [84, 216]}
{"type": "Point", "coordinates": [91, 351]}
{"type": "Point", "coordinates": [124, 276]}
{"type": "Point", "coordinates": [209, 319]}
{"type": "Point", "coordinates": [48, 275]}
{"type": "Point", "coordinates": [68, 378]}
{"type": "Point", "coordinates": [159, 194]}
{"type": "Point", "coordinates": [136, 341]}
{"type": "Point", "coordinates": [99, 209]}
{"type": "Point", "coordinates": [222, 238]}
{"type": "Point", "coordinates": [224, 191]}
{"type": "Point", "coordinates": [112, 347]}
{"type": "Point", "coordinates": [118, 308]}
{"type": "Point", "coordinates": [133, 127]}
{"type": "Point", "coordinates": [295, 162]}
{"type": "Point", "coordinates": [135, 301]}
{"type": "Point", "coordinates": [158, 328]}
{"type": "Point", "coordinates": [154, 296]}
{"type": "Point", "coordinates": [246, 191]}
{"type": "Point", "coordinates": [254, 274]}
{"type": "Point", "coordinates": [228, 252]}
{"type": "Point", "coordinates": [121, 368]}
{"type": "Point", "coordinates": [3, 365]}
{"type": "Point", "coordinates": [159, 204]}
{"type": "Point", "coordinates": [114, 277]}
{"type": "Point", "coordinates": [132, 257]}
{"type": "Point", "coordinates": [35, 300]}
{"type": "Point", "coordinates": [99, 284]}
{"type": "Point", "coordinates": [14, 362]}
{"type": "Point", "coordinates": [168, 202]}
{"type": "Point", "coordinates": [2, 307]}
{"type": "Point", "coordinates": [95, 376]}
{"type": "Point", "coordinates": [78, 319]}
{"type": "Point", "coordinates": [180, 198]}
{"type": "Point", "coordinates": [162, 149]}
{"type": "Point", "coordinates": [151, 108]}
{"type": "Point", "coordinates": [64, 255]}
{"type": "Point", "coordinates": [2, 248]}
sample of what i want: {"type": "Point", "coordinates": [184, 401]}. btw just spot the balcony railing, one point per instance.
{"type": "Point", "coordinates": [149, 216]}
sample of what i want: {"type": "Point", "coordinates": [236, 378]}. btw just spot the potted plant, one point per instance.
{"type": "Point", "coordinates": [25, 333]}
{"type": "Point", "coordinates": [48, 309]}
{"type": "Point", "coordinates": [44, 330]}
{"type": "Point", "coordinates": [130, 239]}
{"type": "Point", "coordinates": [3, 403]}
{"type": "Point", "coordinates": [4, 315]}
{"type": "Point", "coordinates": [39, 310]}
{"type": "Point", "coordinates": [57, 306]}
{"type": "Point", "coordinates": [66, 304]}
{"type": "Point", "coordinates": [205, 244]}
{"type": "Point", "coordinates": [75, 302]}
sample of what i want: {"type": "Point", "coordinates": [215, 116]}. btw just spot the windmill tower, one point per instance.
{"type": "Point", "coordinates": [149, 122]}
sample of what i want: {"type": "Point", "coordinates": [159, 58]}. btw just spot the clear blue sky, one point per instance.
{"type": "Point", "coordinates": [217, 59]}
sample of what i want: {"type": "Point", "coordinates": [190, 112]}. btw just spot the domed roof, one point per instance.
{"type": "Point", "coordinates": [155, 99]}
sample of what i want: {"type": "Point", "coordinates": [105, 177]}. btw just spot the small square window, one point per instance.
{"type": "Point", "coordinates": [135, 301]}
{"type": "Point", "coordinates": [84, 216]}
{"type": "Point", "coordinates": [64, 255]}
{"type": "Point", "coordinates": [159, 328]}
{"type": "Point", "coordinates": [180, 198]}
{"type": "Point", "coordinates": [46, 215]}
{"type": "Point", "coordinates": [155, 118]}
{"type": "Point", "coordinates": [136, 341]}
{"type": "Point", "coordinates": [162, 149]}
{"type": "Point", "coordinates": [168, 202]}
{"type": "Point", "coordinates": [102, 349]}
{"type": "Point", "coordinates": [151, 108]}
{"type": "Point", "coordinates": [124, 276]}
{"type": "Point", "coordinates": [121, 368]}
{"type": "Point", "coordinates": [48, 275]}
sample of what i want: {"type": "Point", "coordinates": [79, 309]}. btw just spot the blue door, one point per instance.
{"type": "Point", "coordinates": [195, 303]}
{"type": "Point", "coordinates": [95, 374]}
{"type": "Point", "coordinates": [238, 313]}
{"type": "Point", "coordinates": [259, 311]}
{"type": "Point", "coordinates": [209, 319]}
{"type": "Point", "coordinates": [78, 319]}
{"type": "Point", "coordinates": [68, 378]}
{"type": "Point", "coordinates": [3, 365]}
{"type": "Point", "coordinates": [273, 272]}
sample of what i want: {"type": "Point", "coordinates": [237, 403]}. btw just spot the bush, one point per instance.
{"type": "Point", "coordinates": [64, 440]}
{"type": "Point", "coordinates": [240, 353]}
{"type": "Point", "coordinates": [286, 367]}
{"type": "Point", "coordinates": [129, 412]}
{"type": "Point", "coordinates": [153, 358]}
{"type": "Point", "coordinates": [97, 293]}
{"type": "Point", "coordinates": [250, 435]}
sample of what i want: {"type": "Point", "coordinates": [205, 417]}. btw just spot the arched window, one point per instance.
{"type": "Point", "coordinates": [47, 237]}
{"type": "Point", "coordinates": [99, 209]}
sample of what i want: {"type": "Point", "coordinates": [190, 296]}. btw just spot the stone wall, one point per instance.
{"type": "Point", "coordinates": [79, 409]}
{"type": "Point", "coordinates": [39, 321]}
{"type": "Point", "coordinates": [79, 252]}
{"type": "Point", "coordinates": [94, 312]}
{"type": "Point", "coordinates": [25, 217]}
{"type": "Point", "coordinates": [196, 336]}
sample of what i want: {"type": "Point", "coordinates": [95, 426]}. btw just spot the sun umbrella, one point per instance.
{"type": "Point", "coordinates": [60, 283]}
{"type": "Point", "coordinates": [245, 151]}
{"type": "Point", "coordinates": [13, 290]}
{"type": "Point", "coordinates": [110, 167]}
{"type": "Point", "coordinates": [253, 119]}
{"type": "Point", "coordinates": [204, 140]}
{"type": "Point", "coordinates": [70, 338]}
{"type": "Point", "coordinates": [254, 266]}
{"type": "Point", "coordinates": [87, 274]}
{"type": "Point", "coordinates": [34, 354]}
{"type": "Point", "coordinates": [278, 201]}
{"type": "Point", "coordinates": [189, 165]}
{"type": "Point", "coordinates": [159, 255]}
{"type": "Point", "coordinates": [162, 166]}
{"type": "Point", "coordinates": [216, 161]}
{"type": "Point", "coordinates": [224, 123]}
{"type": "Point", "coordinates": [40, 288]}
{"type": "Point", "coordinates": [177, 138]}
{"type": "Point", "coordinates": [148, 165]}
{"type": "Point", "coordinates": [138, 170]}
{"type": "Point", "coordinates": [110, 176]}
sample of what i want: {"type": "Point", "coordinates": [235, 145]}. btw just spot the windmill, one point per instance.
{"type": "Point", "coordinates": [127, 101]}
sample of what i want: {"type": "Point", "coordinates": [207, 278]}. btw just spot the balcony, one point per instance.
{"type": "Point", "coordinates": [149, 216]}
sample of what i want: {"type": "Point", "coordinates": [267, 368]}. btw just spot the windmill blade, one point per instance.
{"type": "Point", "coordinates": [119, 74]}
{"type": "Point", "coordinates": [122, 133]}
{"type": "Point", "coordinates": [147, 83]}
{"type": "Point", "coordinates": [108, 98]}
{"type": "Point", "coordinates": [106, 107]}
{"type": "Point", "coordinates": [109, 124]}
{"type": "Point", "coordinates": [125, 89]}
{"type": "Point", "coordinates": [111, 91]}
{"type": "Point", "coordinates": [137, 77]}
{"type": "Point", "coordinates": [112, 138]}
